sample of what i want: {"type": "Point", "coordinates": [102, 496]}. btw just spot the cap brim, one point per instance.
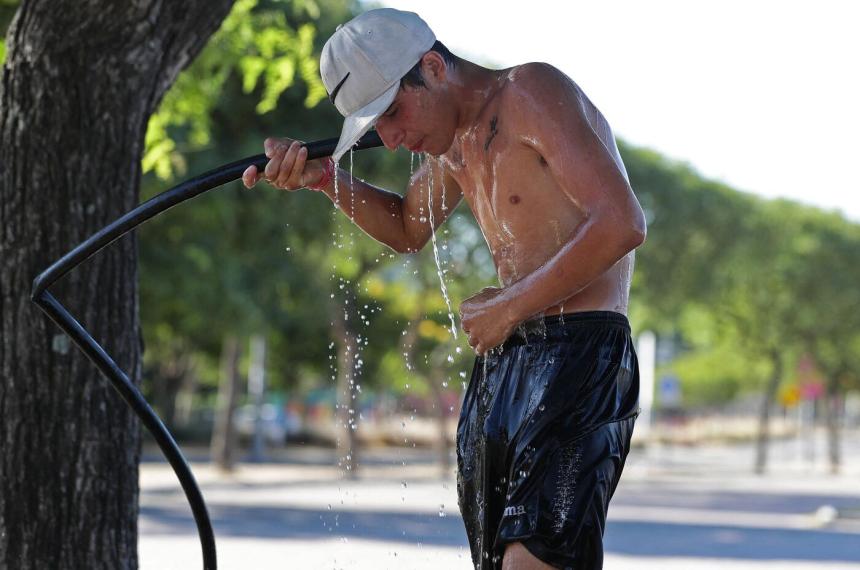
{"type": "Point", "coordinates": [361, 121]}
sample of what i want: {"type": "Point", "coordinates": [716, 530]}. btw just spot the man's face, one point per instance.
{"type": "Point", "coordinates": [420, 119]}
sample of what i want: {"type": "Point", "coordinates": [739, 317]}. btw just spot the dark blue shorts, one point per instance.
{"type": "Point", "coordinates": [543, 435]}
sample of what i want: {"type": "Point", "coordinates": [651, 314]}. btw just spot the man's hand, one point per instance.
{"type": "Point", "coordinates": [287, 168]}
{"type": "Point", "coordinates": [485, 319]}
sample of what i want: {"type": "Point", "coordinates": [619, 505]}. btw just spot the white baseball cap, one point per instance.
{"type": "Point", "coordinates": [362, 64]}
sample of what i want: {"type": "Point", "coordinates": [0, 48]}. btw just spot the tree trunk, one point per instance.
{"type": "Point", "coordinates": [347, 388]}
{"type": "Point", "coordinates": [77, 89]}
{"type": "Point", "coordinates": [224, 432]}
{"type": "Point", "coordinates": [168, 379]}
{"type": "Point", "coordinates": [257, 394]}
{"type": "Point", "coordinates": [768, 397]}
{"type": "Point", "coordinates": [832, 415]}
{"type": "Point", "coordinates": [435, 379]}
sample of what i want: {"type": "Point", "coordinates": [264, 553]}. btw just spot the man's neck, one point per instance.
{"type": "Point", "coordinates": [473, 87]}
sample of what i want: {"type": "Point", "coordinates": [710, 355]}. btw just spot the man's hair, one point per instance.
{"type": "Point", "coordinates": [415, 79]}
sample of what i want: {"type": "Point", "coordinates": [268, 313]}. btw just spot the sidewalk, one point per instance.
{"type": "Point", "coordinates": [675, 509]}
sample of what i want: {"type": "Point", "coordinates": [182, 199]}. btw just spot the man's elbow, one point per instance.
{"type": "Point", "coordinates": [637, 229]}
{"type": "Point", "coordinates": [636, 236]}
{"type": "Point", "coordinates": [629, 237]}
{"type": "Point", "coordinates": [623, 228]}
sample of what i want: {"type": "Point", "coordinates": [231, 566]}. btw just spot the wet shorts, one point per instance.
{"type": "Point", "coordinates": [543, 435]}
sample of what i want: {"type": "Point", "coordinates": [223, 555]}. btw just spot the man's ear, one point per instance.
{"type": "Point", "coordinates": [433, 66]}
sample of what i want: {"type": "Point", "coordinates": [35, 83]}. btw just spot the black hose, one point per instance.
{"type": "Point", "coordinates": [118, 379]}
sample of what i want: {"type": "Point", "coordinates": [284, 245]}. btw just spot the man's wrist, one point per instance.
{"type": "Point", "coordinates": [511, 311]}
{"type": "Point", "coordinates": [327, 176]}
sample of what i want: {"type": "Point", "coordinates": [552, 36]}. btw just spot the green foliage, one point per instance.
{"type": "Point", "coordinates": [258, 44]}
{"type": "Point", "coordinates": [717, 363]}
{"type": "Point", "coordinates": [8, 8]}
{"type": "Point", "coordinates": [7, 12]}
{"type": "Point", "coordinates": [715, 375]}
{"type": "Point", "coordinates": [742, 280]}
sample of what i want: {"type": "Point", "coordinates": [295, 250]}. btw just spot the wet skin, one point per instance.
{"type": "Point", "coordinates": [558, 214]}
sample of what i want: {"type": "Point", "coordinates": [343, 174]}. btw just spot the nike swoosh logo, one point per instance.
{"type": "Point", "coordinates": [336, 90]}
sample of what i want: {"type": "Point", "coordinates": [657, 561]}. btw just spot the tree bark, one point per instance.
{"type": "Point", "coordinates": [832, 417]}
{"type": "Point", "coordinates": [78, 86]}
{"type": "Point", "coordinates": [224, 432]}
{"type": "Point", "coordinates": [435, 378]}
{"type": "Point", "coordinates": [168, 379]}
{"type": "Point", "coordinates": [763, 440]}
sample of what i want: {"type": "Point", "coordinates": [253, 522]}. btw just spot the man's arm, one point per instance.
{"type": "Point", "coordinates": [400, 222]}
{"type": "Point", "coordinates": [552, 122]}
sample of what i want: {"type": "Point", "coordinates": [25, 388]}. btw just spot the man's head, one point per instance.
{"type": "Point", "coordinates": [385, 67]}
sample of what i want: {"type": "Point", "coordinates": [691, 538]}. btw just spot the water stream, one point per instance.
{"type": "Point", "coordinates": [444, 288]}
{"type": "Point", "coordinates": [354, 316]}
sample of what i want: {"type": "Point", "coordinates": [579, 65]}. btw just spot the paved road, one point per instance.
{"type": "Point", "coordinates": [675, 509]}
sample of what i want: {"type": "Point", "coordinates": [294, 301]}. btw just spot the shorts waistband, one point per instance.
{"type": "Point", "coordinates": [556, 327]}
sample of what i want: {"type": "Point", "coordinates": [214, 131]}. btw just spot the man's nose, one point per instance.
{"type": "Point", "coordinates": [391, 136]}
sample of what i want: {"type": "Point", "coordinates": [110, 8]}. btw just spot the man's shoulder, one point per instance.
{"type": "Point", "coordinates": [534, 71]}
{"type": "Point", "coordinates": [537, 80]}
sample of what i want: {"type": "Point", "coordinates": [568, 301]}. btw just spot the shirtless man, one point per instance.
{"type": "Point", "coordinates": [548, 414]}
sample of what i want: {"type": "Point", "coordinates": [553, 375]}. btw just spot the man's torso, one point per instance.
{"type": "Point", "coordinates": [524, 214]}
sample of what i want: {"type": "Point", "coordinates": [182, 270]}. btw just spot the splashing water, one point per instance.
{"type": "Point", "coordinates": [542, 325]}
{"type": "Point", "coordinates": [333, 364]}
{"type": "Point", "coordinates": [347, 416]}
{"type": "Point", "coordinates": [336, 194]}
{"type": "Point", "coordinates": [566, 480]}
{"type": "Point", "coordinates": [436, 250]}
{"type": "Point", "coordinates": [351, 195]}
{"type": "Point", "coordinates": [486, 357]}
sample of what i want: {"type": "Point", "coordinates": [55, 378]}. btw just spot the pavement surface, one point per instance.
{"type": "Point", "coordinates": [676, 508]}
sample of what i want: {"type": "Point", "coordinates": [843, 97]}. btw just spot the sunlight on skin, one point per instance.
{"type": "Point", "coordinates": [517, 557]}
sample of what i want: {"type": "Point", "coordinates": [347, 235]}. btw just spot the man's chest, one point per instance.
{"type": "Point", "coordinates": [504, 180]}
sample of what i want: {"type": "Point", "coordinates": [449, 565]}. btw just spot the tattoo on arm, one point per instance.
{"type": "Point", "coordinates": [493, 132]}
